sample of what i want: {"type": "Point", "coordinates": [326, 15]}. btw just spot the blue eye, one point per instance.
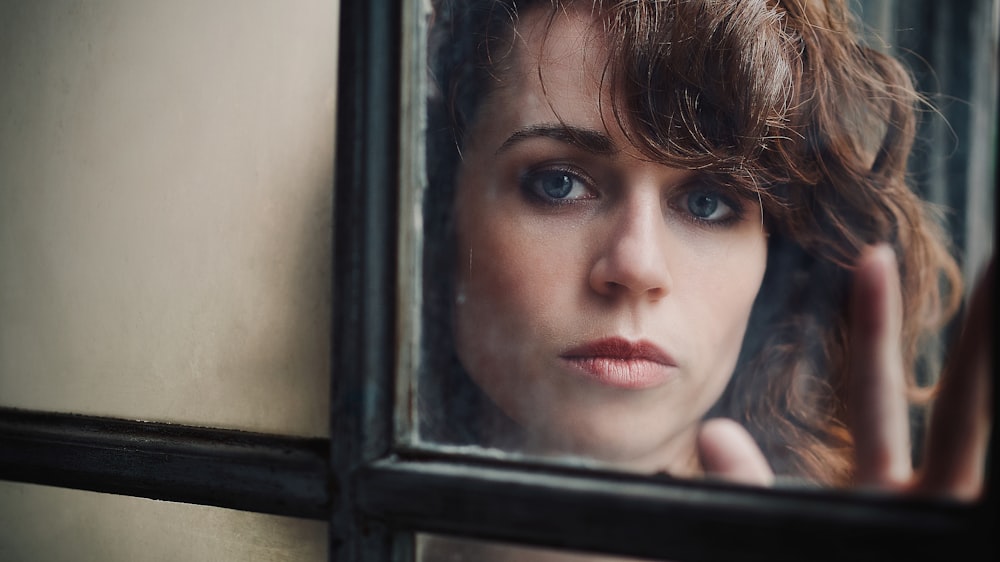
{"type": "Point", "coordinates": [556, 185]}
{"type": "Point", "coordinates": [708, 206]}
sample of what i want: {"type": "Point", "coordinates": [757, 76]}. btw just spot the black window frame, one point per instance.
{"type": "Point", "coordinates": [377, 494]}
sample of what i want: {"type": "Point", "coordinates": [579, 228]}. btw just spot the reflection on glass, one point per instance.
{"type": "Point", "coordinates": [677, 237]}
{"type": "Point", "coordinates": [437, 548]}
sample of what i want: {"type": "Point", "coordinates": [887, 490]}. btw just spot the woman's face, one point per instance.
{"type": "Point", "coordinates": [601, 298]}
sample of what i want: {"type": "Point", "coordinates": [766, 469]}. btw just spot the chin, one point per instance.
{"type": "Point", "coordinates": [628, 446]}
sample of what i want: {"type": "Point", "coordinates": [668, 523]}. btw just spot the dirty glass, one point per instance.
{"type": "Point", "coordinates": [626, 261]}
{"type": "Point", "coordinates": [449, 549]}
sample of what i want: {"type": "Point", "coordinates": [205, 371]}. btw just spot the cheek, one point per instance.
{"type": "Point", "coordinates": [727, 293]}
{"type": "Point", "coordinates": [509, 283]}
{"type": "Point", "coordinates": [498, 315]}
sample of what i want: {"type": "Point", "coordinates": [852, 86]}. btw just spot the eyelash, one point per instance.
{"type": "Point", "coordinates": [679, 201]}
{"type": "Point", "coordinates": [735, 205]}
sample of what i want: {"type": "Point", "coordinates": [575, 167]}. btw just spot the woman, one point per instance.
{"type": "Point", "coordinates": [682, 242]}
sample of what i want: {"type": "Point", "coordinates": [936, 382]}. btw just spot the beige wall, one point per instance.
{"type": "Point", "coordinates": [40, 524]}
{"type": "Point", "coordinates": [165, 190]}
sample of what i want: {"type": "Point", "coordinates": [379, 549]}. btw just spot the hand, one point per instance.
{"type": "Point", "coordinates": [958, 434]}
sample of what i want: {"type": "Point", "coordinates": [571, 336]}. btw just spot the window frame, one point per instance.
{"type": "Point", "coordinates": [393, 491]}
{"type": "Point", "coordinates": [258, 472]}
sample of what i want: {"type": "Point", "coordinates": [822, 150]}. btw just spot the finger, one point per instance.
{"type": "Point", "coordinates": [729, 452]}
{"type": "Point", "coordinates": [877, 409]}
{"type": "Point", "coordinates": [958, 436]}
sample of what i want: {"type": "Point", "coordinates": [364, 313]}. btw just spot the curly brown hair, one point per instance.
{"type": "Point", "coordinates": [782, 101]}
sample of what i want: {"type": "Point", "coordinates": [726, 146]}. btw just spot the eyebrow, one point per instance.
{"type": "Point", "coordinates": [587, 139]}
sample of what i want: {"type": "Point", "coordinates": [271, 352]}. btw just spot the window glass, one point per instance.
{"type": "Point", "coordinates": [439, 548]}
{"type": "Point", "coordinates": [48, 524]}
{"type": "Point", "coordinates": [165, 210]}
{"type": "Point", "coordinates": [640, 253]}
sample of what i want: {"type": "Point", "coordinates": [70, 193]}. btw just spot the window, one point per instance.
{"type": "Point", "coordinates": [443, 490]}
{"type": "Point", "coordinates": [379, 488]}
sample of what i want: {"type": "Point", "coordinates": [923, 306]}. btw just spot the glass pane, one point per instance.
{"type": "Point", "coordinates": [165, 210]}
{"type": "Point", "coordinates": [641, 253]}
{"type": "Point", "coordinates": [439, 548]}
{"type": "Point", "coordinates": [45, 524]}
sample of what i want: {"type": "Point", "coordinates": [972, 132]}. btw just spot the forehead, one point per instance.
{"type": "Point", "coordinates": [553, 35]}
{"type": "Point", "coordinates": [553, 72]}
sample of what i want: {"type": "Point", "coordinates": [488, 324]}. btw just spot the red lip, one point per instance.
{"type": "Point", "coordinates": [619, 363]}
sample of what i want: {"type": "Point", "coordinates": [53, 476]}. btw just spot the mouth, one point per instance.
{"type": "Point", "coordinates": [619, 363]}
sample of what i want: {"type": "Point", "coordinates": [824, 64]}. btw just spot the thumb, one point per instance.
{"type": "Point", "coordinates": [727, 451]}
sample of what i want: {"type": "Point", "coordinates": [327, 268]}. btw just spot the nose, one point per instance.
{"type": "Point", "coordinates": [633, 259]}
